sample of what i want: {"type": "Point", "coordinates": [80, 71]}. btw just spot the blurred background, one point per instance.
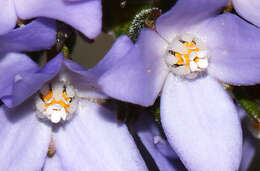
{"type": "Point", "coordinates": [88, 54]}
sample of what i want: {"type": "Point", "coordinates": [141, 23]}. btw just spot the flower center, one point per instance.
{"type": "Point", "coordinates": [56, 101]}
{"type": "Point", "coordinates": [186, 56]}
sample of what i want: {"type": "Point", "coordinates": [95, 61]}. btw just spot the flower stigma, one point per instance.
{"type": "Point", "coordinates": [186, 56]}
{"type": "Point", "coordinates": [56, 101]}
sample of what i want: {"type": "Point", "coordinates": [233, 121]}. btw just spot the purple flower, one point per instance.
{"type": "Point", "coordinates": [61, 102]}
{"type": "Point", "coordinates": [248, 10]}
{"type": "Point", "coordinates": [37, 35]}
{"type": "Point", "coordinates": [158, 147]}
{"type": "Point", "coordinates": [84, 16]}
{"type": "Point", "coordinates": [192, 48]}
{"type": "Point", "coordinates": [166, 159]}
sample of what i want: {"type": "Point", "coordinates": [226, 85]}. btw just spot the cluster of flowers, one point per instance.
{"type": "Point", "coordinates": [192, 49]}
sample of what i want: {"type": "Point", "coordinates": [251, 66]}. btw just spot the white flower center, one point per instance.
{"type": "Point", "coordinates": [186, 56]}
{"type": "Point", "coordinates": [57, 101]}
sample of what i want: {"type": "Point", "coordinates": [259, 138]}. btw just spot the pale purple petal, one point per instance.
{"type": "Point", "coordinates": [93, 140]}
{"type": "Point", "coordinates": [84, 16]}
{"type": "Point", "coordinates": [119, 49]}
{"type": "Point", "coordinates": [234, 50]}
{"type": "Point", "coordinates": [12, 64]}
{"type": "Point", "coordinates": [7, 16]}
{"type": "Point", "coordinates": [201, 124]}
{"type": "Point", "coordinates": [185, 14]}
{"type": "Point", "coordinates": [163, 155]}
{"type": "Point", "coordinates": [84, 81]}
{"type": "Point", "coordinates": [75, 68]}
{"type": "Point", "coordinates": [53, 164]}
{"type": "Point", "coordinates": [248, 9]}
{"type": "Point", "coordinates": [37, 35]}
{"type": "Point", "coordinates": [26, 84]}
{"type": "Point", "coordinates": [24, 139]}
{"type": "Point", "coordinates": [138, 77]}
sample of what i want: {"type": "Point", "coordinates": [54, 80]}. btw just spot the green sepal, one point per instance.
{"type": "Point", "coordinates": [117, 17]}
{"type": "Point", "coordinates": [144, 18]}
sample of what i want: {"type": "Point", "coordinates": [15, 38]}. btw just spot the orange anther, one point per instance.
{"type": "Point", "coordinates": [60, 102]}
{"type": "Point", "coordinates": [180, 60]}
{"type": "Point", "coordinates": [196, 59]}
{"type": "Point", "coordinates": [64, 95]}
{"type": "Point", "coordinates": [184, 58]}
{"type": "Point", "coordinates": [47, 96]}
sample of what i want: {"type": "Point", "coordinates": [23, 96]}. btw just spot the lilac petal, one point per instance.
{"type": "Point", "coordinates": [84, 81]}
{"type": "Point", "coordinates": [37, 35]}
{"type": "Point", "coordinates": [138, 77]}
{"type": "Point", "coordinates": [201, 124]}
{"type": "Point", "coordinates": [158, 147]}
{"type": "Point", "coordinates": [248, 9]}
{"type": "Point", "coordinates": [119, 49]}
{"type": "Point", "coordinates": [84, 16]}
{"type": "Point", "coordinates": [94, 141]}
{"type": "Point", "coordinates": [26, 84]}
{"type": "Point", "coordinates": [24, 139]}
{"type": "Point", "coordinates": [53, 164]}
{"type": "Point", "coordinates": [234, 50]}
{"type": "Point", "coordinates": [11, 64]}
{"type": "Point", "coordinates": [75, 68]}
{"type": "Point", "coordinates": [7, 16]}
{"type": "Point", "coordinates": [185, 14]}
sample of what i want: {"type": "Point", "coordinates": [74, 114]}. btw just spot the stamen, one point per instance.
{"type": "Point", "coordinates": [56, 102]}
{"type": "Point", "coordinates": [186, 56]}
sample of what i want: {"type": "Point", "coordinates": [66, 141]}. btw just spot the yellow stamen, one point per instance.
{"type": "Point", "coordinates": [196, 59]}
{"type": "Point", "coordinates": [184, 58]}
{"type": "Point", "coordinates": [192, 44]}
{"type": "Point", "coordinates": [180, 59]}
{"type": "Point", "coordinates": [61, 102]}
{"type": "Point", "coordinates": [64, 95]}
{"type": "Point", "coordinates": [48, 96]}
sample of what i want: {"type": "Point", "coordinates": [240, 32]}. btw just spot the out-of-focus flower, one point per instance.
{"type": "Point", "coordinates": [191, 49]}
{"type": "Point", "coordinates": [248, 10]}
{"type": "Point", "coordinates": [64, 110]}
{"type": "Point", "coordinates": [84, 16]}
